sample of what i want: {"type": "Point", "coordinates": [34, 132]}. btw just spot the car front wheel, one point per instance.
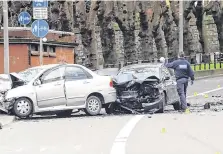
{"type": "Point", "coordinates": [93, 106]}
{"type": "Point", "coordinates": [22, 108]}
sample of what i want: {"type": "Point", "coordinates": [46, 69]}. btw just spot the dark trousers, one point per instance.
{"type": "Point", "coordinates": [182, 91]}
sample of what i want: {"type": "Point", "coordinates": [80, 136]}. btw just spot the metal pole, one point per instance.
{"type": "Point", "coordinates": [41, 51]}
{"type": "Point", "coordinates": [181, 25]}
{"type": "Point", "coordinates": [6, 37]}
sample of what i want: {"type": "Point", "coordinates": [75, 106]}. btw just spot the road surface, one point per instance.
{"type": "Point", "coordinates": [171, 133]}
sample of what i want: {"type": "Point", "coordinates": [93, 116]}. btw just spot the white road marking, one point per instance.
{"type": "Point", "coordinates": [206, 92]}
{"type": "Point", "coordinates": [118, 146]}
{"type": "Point", "coordinates": [120, 140]}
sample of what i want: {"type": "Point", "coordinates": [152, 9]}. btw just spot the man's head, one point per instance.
{"type": "Point", "coordinates": [181, 54]}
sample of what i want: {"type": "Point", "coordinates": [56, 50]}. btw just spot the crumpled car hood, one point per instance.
{"type": "Point", "coordinates": [139, 77]}
{"type": "Point", "coordinates": [6, 81]}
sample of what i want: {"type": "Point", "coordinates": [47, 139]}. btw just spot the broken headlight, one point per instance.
{"type": "Point", "coordinates": [9, 99]}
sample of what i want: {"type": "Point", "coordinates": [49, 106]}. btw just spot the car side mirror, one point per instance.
{"type": "Point", "coordinates": [167, 78]}
{"type": "Point", "coordinates": [37, 82]}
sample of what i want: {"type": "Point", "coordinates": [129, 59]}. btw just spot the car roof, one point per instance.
{"type": "Point", "coordinates": [45, 66]}
{"type": "Point", "coordinates": [150, 65]}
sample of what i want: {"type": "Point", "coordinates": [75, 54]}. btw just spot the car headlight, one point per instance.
{"type": "Point", "coordinates": [9, 99]}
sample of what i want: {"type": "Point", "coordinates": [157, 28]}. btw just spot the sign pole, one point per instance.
{"type": "Point", "coordinates": [181, 25]}
{"type": "Point", "coordinates": [6, 37]}
{"type": "Point", "coordinates": [41, 51]}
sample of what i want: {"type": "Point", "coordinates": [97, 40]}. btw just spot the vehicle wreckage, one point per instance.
{"type": "Point", "coordinates": [143, 88]}
{"type": "Point", "coordinates": [8, 82]}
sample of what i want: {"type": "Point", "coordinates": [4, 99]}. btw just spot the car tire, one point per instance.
{"type": "Point", "coordinates": [22, 108]}
{"type": "Point", "coordinates": [66, 113]}
{"type": "Point", "coordinates": [93, 106]}
{"type": "Point", "coordinates": [177, 105]}
{"type": "Point", "coordinates": [162, 104]}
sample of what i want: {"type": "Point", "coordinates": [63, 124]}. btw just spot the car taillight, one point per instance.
{"type": "Point", "coordinates": [111, 83]}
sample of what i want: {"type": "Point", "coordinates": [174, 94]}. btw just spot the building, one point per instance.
{"type": "Point", "coordinates": [24, 48]}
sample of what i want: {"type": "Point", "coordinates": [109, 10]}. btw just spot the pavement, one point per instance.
{"type": "Point", "coordinates": [198, 131]}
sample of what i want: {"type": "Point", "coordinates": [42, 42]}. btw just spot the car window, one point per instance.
{"type": "Point", "coordinates": [75, 73]}
{"type": "Point", "coordinates": [54, 75]}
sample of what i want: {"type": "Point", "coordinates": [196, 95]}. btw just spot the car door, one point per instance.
{"type": "Point", "coordinates": [51, 90]}
{"type": "Point", "coordinates": [78, 84]}
{"type": "Point", "coordinates": [169, 85]}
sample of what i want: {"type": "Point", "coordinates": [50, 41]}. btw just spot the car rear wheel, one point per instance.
{"type": "Point", "coordinates": [162, 104]}
{"type": "Point", "coordinates": [66, 113]}
{"type": "Point", "coordinates": [93, 106]}
{"type": "Point", "coordinates": [22, 108]}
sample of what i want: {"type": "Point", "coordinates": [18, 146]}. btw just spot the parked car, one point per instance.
{"type": "Point", "coordinates": [60, 88]}
{"type": "Point", "coordinates": [143, 87]}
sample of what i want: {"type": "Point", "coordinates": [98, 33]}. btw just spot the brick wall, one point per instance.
{"type": "Point", "coordinates": [19, 58]}
{"type": "Point", "coordinates": [62, 54]}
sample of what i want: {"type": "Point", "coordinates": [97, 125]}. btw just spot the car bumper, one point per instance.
{"type": "Point", "coordinates": [110, 97]}
{"type": "Point", "coordinates": [152, 105]}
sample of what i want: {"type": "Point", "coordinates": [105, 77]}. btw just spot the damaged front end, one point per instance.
{"type": "Point", "coordinates": [8, 82]}
{"type": "Point", "coordinates": [137, 93]}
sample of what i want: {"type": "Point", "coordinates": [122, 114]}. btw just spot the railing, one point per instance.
{"type": "Point", "coordinates": [198, 62]}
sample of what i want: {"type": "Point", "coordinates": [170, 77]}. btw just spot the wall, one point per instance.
{"type": "Point", "coordinates": [19, 58]}
{"type": "Point", "coordinates": [62, 54]}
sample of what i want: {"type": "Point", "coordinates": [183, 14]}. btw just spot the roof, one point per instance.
{"type": "Point", "coordinates": [33, 41]}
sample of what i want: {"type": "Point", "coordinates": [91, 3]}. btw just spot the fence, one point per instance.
{"type": "Point", "coordinates": [198, 61]}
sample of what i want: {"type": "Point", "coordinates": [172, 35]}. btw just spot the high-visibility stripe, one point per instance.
{"type": "Point", "coordinates": [168, 3]}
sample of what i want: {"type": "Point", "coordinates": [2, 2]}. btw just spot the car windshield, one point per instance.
{"type": "Point", "coordinates": [29, 74]}
{"type": "Point", "coordinates": [148, 71]}
{"type": "Point", "coordinates": [126, 74]}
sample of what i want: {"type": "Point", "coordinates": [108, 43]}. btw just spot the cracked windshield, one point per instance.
{"type": "Point", "coordinates": [111, 77]}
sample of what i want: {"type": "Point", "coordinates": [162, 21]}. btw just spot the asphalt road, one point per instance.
{"type": "Point", "coordinates": [171, 133]}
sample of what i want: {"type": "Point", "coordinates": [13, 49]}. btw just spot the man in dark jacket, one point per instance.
{"type": "Point", "coordinates": [183, 72]}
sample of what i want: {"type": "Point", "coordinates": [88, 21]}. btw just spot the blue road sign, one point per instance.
{"type": "Point", "coordinates": [40, 28]}
{"type": "Point", "coordinates": [24, 18]}
{"type": "Point", "coordinates": [40, 3]}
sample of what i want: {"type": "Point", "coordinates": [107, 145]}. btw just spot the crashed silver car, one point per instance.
{"type": "Point", "coordinates": [60, 89]}
{"type": "Point", "coordinates": [144, 87]}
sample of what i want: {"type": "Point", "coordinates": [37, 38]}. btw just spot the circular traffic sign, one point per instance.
{"type": "Point", "coordinates": [24, 18]}
{"type": "Point", "coordinates": [40, 28]}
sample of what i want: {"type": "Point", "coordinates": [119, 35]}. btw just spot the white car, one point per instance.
{"type": "Point", "coordinates": [60, 88]}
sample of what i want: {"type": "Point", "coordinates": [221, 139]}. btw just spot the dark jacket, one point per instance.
{"type": "Point", "coordinates": [181, 68]}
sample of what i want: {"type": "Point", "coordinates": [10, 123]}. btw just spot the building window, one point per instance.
{"type": "Point", "coordinates": [44, 48]}
{"type": "Point", "coordinates": [52, 49]}
{"type": "Point", "coordinates": [34, 47]}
